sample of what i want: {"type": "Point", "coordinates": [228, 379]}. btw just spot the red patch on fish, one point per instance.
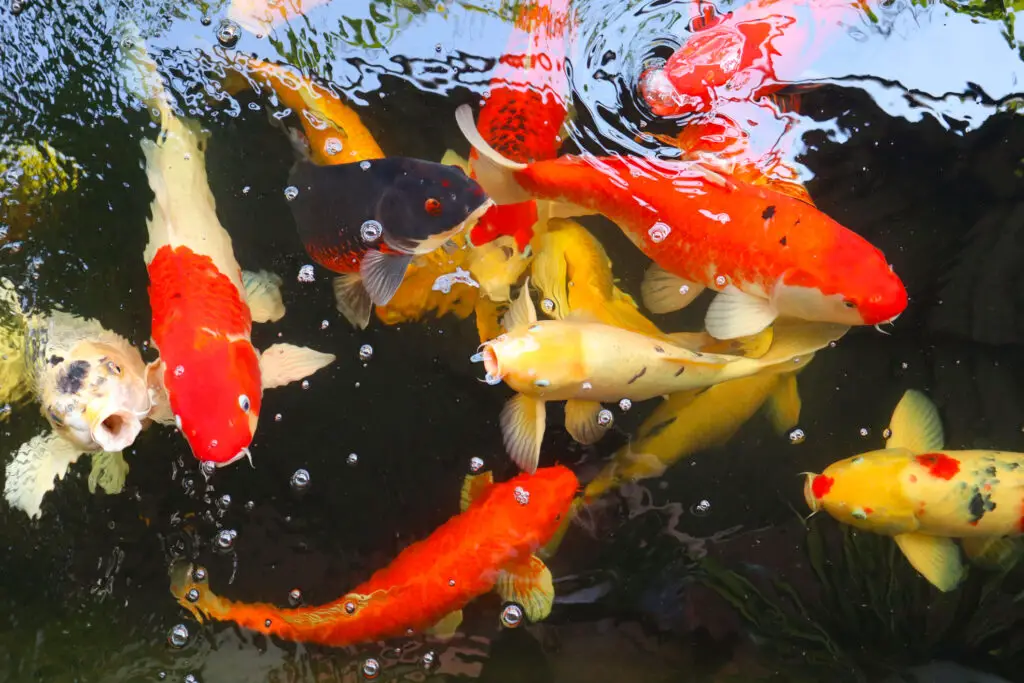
{"type": "Point", "coordinates": [868, 511]}
{"type": "Point", "coordinates": [821, 485]}
{"type": "Point", "coordinates": [939, 465]}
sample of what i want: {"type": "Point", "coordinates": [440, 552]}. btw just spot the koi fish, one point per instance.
{"type": "Point", "coordinates": [91, 387]}
{"type": "Point", "coordinates": [573, 273]}
{"type": "Point", "coordinates": [524, 110]}
{"type": "Point", "coordinates": [778, 256]}
{"type": "Point", "coordinates": [749, 53]}
{"type": "Point", "coordinates": [490, 545]}
{"type": "Point", "coordinates": [586, 363]}
{"type": "Point", "coordinates": [692, 421]}
{"type": "Point", "coordinates": [30, 173]}
{"type": "Point", "coordinates": [924, 496]}
{"type": "Point", "coordinates": [209, 377]}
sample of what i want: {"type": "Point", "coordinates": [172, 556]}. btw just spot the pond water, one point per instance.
{"type": "Point", "coordinates": [709, 571]}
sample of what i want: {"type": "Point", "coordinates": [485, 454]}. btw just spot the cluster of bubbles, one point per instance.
{"type": "Point", "coordinates": [225, 540]}
{"type": "Point", "coordinates": [306, 273]}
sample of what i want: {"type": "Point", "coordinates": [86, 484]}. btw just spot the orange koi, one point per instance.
{"type": "Point", "coordinates": [749, 53]}
{"type": "Point", "coordinates": [764, 252]}
{"type": "Point", "coordinates": [490, 545]}
{"type": "Point", "coordinates": [525, 109]}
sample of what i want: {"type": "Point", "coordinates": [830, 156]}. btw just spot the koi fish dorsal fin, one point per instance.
{"type": "Point", "coordinates": [915, 424]}
{"type": "Point", "coordinates": [263, 294]}
{"type": "Point", "coordinates": [473, 487]}
{"type": "Point", "coordinates": [445, 629]}
{"type": "Point", "coordinates": [581, 421]}
{"type": "Point", "coordinates": [936, 558]}
{"type": "Point", "coordinates": [521, 312]}
{"type": "Point", "coordinates": [283, 364]}
{"type": "Point", "coordinates": [453, 158]}
{"type": "Point", "coordinates": [528, 584]}
{"type": "Point", "coordinates": [38, 462]}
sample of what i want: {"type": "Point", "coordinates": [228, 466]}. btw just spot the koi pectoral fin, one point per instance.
{"type": "Point", "coordinates": [263, 294]}
{"type": "Point", "coordinates": [37, 465]}
{"type": "Point", "coordinates": [522, 311]}
{"type": "Point", "coordinates": [473, 487]}
{"type": "Point", "coordinates": [915, 424]}
{"type": "Point", "coordinates": [445, 629]}
{"type": "Point", "coordinates": [522, 427]}
{"type": "Point", "coordinates": [529, 585]}
{"type": "Point", "coordinates": [936, 558]}
{"type": "Point", "coordinates": [352, 300]}
{"type": "Point", "coordinates": [663, 292]}
{"type": "Point", "coordinates": [383, 274]}
{"type": "Point", "coordinates": [283, 364]}
{"type": "Point", "coordinates": [783, 406]}
{"type": "Point", "coordinates": [734, 314]}
{"type": "Point", "coordinates": [109, 470]}
{"type": "Point", "coordinates": [581, 421]}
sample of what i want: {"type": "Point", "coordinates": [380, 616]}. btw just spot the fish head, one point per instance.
{"type": "Point", "coordinates": [425, 203]}
{"type": "Point", "coordinates": [96, 395]}
{"type": "Point", "coordinates": [865, 491]}
{"type": "Point", "coordinates": [541, 358]}
{"type": "Point", "coordinates": [215, 395]}
{"type": "Point", "coordinates": [848, 292]}
{"type": "Point", "coordinates": [497, 265]}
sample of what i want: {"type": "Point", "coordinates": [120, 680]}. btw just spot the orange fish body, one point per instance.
{"type": "Point", "coordinates": [766, 253]}
{"type": "Point", "coordinates": [924, 496]}
{"type": "Point", "coordinates": [490, 544]}
{"type": "Point", "coordinates": [525, 109]}
{"type": "Point", "coordinates": [747, 54]}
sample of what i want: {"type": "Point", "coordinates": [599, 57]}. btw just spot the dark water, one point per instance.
{"type": "Point", "coordinates": [912, 142]}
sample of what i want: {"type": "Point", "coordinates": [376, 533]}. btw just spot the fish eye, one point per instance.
{"type": "Point", "coordinates": [850, 304]}
{"type": "Point", "coordinates": [243, 402]}
{"type": "Point", "coordinates": [507, 251]}
{"type": "Point", "coordinates": [433, 206]}
{"type": "Point", "coordinates": [114, 368]}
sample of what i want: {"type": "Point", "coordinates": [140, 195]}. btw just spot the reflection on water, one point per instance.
{"type": "Point", "coordinates": [693, 554]}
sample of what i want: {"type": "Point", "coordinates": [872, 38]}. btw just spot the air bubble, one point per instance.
{"type": "Point", "coordinates": [797, 436]}
{"type": "Point", "coordinates": [625, 404]}
{"type": "Point", "coordinates": [199, 574]}
{"type": "Point", "coordinates": [659, 231]}
{"type": "Point", "coordinates": [429, 660]}
{"type": "Point", "coordinates": [332, 146]}
{"type": "Point", "coordinates": [295, 597]}
{"type": "Point", "coordinates": [208, 467]}
{"type": "Point", "coordinates": [371, 668]}
{"type": "Point", "coordinates": [192, 595]}
{"type": "Point", "coordinates": [300, 480]}
{"type": "Point", "coordinates": [350, 607]}
{"type": "Point", "coordinates": [476, 464]}
{"type": "Point", "coordinates": [291, 192]}
{"type": "Point", "coordinates": [370, 231]}
{"type": "Point", "coordinates": [179, 370]}
{"type": "Point", "coordinates": [365, 352]}
{"type": "Point", "coordinates": [864, 431]}
{"type": "Point", "coordinates": [228, 33]}
{"type": "Point", "coordinates": [224, 502]}
{"type": "Point", "coordinates": [305, 384]}
{"type": "Point", "coordinates": [278, 417]}
{"type": "Point", "coordinates": [886, 433]}
{"type": "Point", "coordinates": [352, 460]}
{"type": "Point", "coordinates": [206, 20]}
{"type": "Point", "coordinates": [225, 540]}
{"type": "Point", "coordinates": [177, 637]}
{"type": "Point", "coordinates": [720, 281]}
{"type": "Point", "coordinates": [548, 306]}
{"type": "Point", "coordinates": [587, 386]}
{"type": "Point", "coordinates": [702, 508]}
{"type": "Point", "coordinates": [190, 678]}
{"type": "Point", "coordinates": [306, 273]}
{"type": "Point", "coordinates": [512, 616]}
{"type": "Point", "coordinates": [250, 506]}
{"type": "Point", "coordinates": [605, 418]}
{"type": "Point", "coordinates": [684, 289]}
{"type": "Point", "coordinates": [521, 495]}
{"type": "Point", "coordinates": [365, 165]}
{"type": "Point", "coordinates": [324, 324]}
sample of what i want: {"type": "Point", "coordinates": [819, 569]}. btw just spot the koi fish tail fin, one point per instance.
{"type": "Point", "coordinates": [190, 587]}
{"type": "Point", "coordinates": [915, 424]}
{"type": "Point", "coordinates": [495, 173]}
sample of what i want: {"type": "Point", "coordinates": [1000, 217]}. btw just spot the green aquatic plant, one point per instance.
{"type": "Point", "coordinates": [869, 613]}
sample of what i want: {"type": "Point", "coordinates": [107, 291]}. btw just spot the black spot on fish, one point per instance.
{"type": "Point", "coordinates": [638, 375]}
{"type": "Point", "coordinates": [658, 349]}
{"type": "Point", "coordinates": [990, 471]}
{"type": "Point", "coordinates": [55, 418]}
{"type": "Point", "coordinates": [679, 371]}
{"type": "Point", "coordinates": [797, 222]}
{"type": "Point", "coordinates": [979, 504]}
{"type": "Point", "coordinates": [56, 360]}
{"type": "Point", "coordinates": [1012, 466]}
{"type": "Point", "coordinates": [783, 241]}
{"type": "Point", "coordinates": [768, 213]}
{"type": "Point", "coordinates": [69, 381]}
{"type": "Point", "coordinates": [659, 428]}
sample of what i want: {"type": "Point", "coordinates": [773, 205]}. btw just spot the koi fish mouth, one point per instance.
{"type": "Point", "coordinates": [492, 366]}
{"type": "Point", "coordinates": [890, 321]}
{"type": "Point", "coordinates": [115, 430]}
{"type": "Point", "coordinates": [812, 500]}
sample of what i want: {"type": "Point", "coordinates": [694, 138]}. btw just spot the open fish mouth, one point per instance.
{"type": "Point", "coordinates": [812, 501]}
{"type": "Point", "coordinates": [116, 430]}
{"type": "Point", "coordinates": [489, 357]}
